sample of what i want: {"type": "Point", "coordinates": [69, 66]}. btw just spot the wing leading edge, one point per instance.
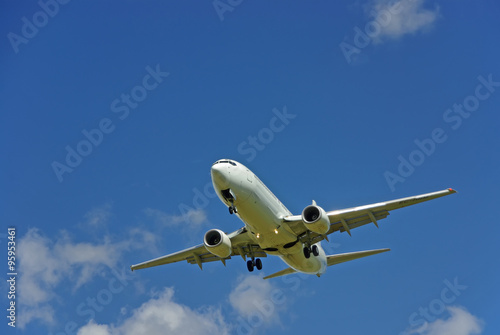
{"type": "Point", "coordinates": [240, 241]}
{"type": "Point", "coordinates": [349, 218]}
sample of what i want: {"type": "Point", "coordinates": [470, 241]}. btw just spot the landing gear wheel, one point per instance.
{"type": "Point", "coordinates": [231, 210]}
{"type": "Point", "coordinates": [307, 252]}
{"type": "Point", "coordinates": [258, 264]}
{"type": "Point", "coordinates": [250, 265]}
{"type": "Point", "coordinates": [315, 250]}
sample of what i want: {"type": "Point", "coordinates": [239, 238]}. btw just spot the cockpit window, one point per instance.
{"type": "Point", "coordinates": [225, 161]}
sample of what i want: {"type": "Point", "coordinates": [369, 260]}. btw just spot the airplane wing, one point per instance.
{"type": "Point", "coordinates": [334, 260]}
{"type": "Point", "coordinates": [242, 245]}
{"type": "Point", "coordinates": [346, 219]}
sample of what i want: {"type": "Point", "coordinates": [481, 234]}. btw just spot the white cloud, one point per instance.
{"type": "Point", "coordinates": [42, 312]}
{"type": "Point", "coordinates": [50, 267]}
{"type": "Point", "coordinates": [162, 315]}
{"type": "Point", "coordinates": [255, 297]}
{"type": "Point", "coordinates": [141, 238]}
{"type": "Point", "coordinates": [193, 217]}
{"type": "Point", "coordinates": [402, 17]}
{"type": "Point", "coordinates": [92, 328]}
{"type": "Point", "coordinates": [255, 300]}
{"type": "Point", "coordinates": [196, 216]}
{"type": "Point", "coordinates": [44, 264]}
{"type": "Point", "coordinates": [98, 216]}
{"type": "Point", "coordinates": [460, 322]}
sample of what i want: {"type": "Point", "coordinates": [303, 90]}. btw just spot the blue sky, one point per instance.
{"type": "Point", "coordinates": [113, 112]}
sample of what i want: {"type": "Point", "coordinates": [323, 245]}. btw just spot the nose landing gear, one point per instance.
{"type": "Point", "coordinates": [229, 196]}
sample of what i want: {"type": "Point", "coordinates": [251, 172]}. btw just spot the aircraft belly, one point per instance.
{"type": "Point", "coordinates": [312, 265]}
{"type": "Point", "coordinates": [263, 222]}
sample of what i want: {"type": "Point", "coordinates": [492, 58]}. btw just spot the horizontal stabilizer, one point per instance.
{"type": "Point", "coordinates": [349, 256]}
{"type": "Point", "coordinates": [333, 260]}
{"type": "Point", "coordinates": [284, 272]}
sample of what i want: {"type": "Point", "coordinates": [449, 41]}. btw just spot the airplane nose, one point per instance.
{"type": "Point", "coordinates": [219, 176]}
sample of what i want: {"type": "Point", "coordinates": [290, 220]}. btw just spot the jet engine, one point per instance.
{"type": "Point", "coordinates": [316, 219]}
{"type": "Point", "coordinates": [217, 243]}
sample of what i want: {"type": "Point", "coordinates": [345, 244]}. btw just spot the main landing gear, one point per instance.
{"type": "Point", "coordinates": [308, 250]}
{"type": "Point", "coordinates": [254, 262]}
{"type": "Point", "coordinates": [251, 263]}
{"type": "Point", "coordinates": [232, 209]}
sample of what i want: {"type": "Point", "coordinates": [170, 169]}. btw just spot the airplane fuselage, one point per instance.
{"type": "Point", "coordinates": [262, 213]}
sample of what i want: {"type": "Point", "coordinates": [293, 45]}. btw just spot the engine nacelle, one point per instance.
{"type": "Point", "coordinates": [316, 219]}
{"type": "Point", "coordinates": [217, 243]}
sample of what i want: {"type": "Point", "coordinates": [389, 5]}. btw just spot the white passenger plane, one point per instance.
{"type": "Point", "coordinates": [270, 228]}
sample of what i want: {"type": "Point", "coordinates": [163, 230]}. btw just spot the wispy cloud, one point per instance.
{"type": "Point", "coordinates": [98, 216]}
{"type": "Point", "coordinates": [44, 264]}
{"type": "Point", "coordinates": [253, 296]}
{"type": "Point", "coordinates": [253, 299]}
{"type": "Point", "coordinates": [141, 238]}
{"type": "Point", "coordinates": [93, 328]}
{"type": "Point", "coordinates": [162, 315]}
{"type": "Point", "coordinates": [460, 322]}
{"type": "Point", "coordinates": [388, 20]}
{"type": "Point", "coordinates": [403, 17]}
{"type": "Point", "coordinates": [48, 264]}
{"type": "Point", "coordinates": [193, 217]}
